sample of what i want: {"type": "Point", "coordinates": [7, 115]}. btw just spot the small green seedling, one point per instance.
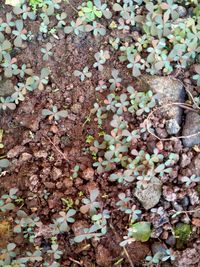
{"type": "Point", "coordinates": [54, 113]}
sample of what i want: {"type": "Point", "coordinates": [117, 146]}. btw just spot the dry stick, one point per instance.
{"type": "Point", "coordinates": [57, 149]}
{"type": "Point", "coordinates": [189, 211]}
{"type": "Point", "coordinates": [192, 99]}
{"type": "Point", "coordinates": [68, 1]}
{"type": "Point", "coordinates": [148, 119]}
{"type": "Point", "coordinates": [75, 261]}
{"type": "Point", "coordinates": [125, 250]}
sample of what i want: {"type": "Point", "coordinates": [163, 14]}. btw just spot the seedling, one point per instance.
{"type": "Point", "coordinates": [54, 113]}
{"type": "Point", "coordinates": [90, 204]}
{"type": "Point", "coordinates": [83, 74]}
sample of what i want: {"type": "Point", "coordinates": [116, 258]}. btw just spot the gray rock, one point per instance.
{"type": "Point", "coordinates": [6, 88]}
{"type": "Point", "coordinates": [149, 196]}
{"type": "Point", "coordinates": [172, 126]}
{"type": "Point", "coordinates": [194, 166]}
{"type": "Point", "coordinates": [167, 90]}
{"type": "Point", "coordinates": [182, 11]}
{"type": "Point", "coordinates": [192, 126]}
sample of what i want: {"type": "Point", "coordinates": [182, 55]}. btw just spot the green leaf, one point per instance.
{"type": "Point", "coordinates": [11, 246]}
{"type": "Point", "coordinates": [117, 7]}
{"type": "Point", "coordinates": [160, 168]}
{"type": "Point", "coordinates": [141, 231]}
{"type": "Point", "coordinates": [9, 206]}
{"type": "Point", "coordinates": [46, 112]}
{"type": "Point", "coordinates": [4, 163]}
{"type": "Point", "coordinates": [182, 233]}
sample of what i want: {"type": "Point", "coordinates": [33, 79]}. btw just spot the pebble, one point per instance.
{"type": "Point", "coordinates": [25, 156]}
{"type": "Point", "coordinates": [177, 206]}
{"type": "Point", "coordinates": [40, 154]}
{"type": "Point", "coordinates": [150, 196]}
{"type": "Point", "coordinates": [56, 173]}
{"type": "Point", "coordinates": [49, 185]}
{"type": "Point", "coordinates": [68, 182]}
{"type": "Point", "coordinates": [76, 108]}
{"type": "Point", "coordinates": [88, 174]}
{"type": "Point", "coordinates": [81, 99]}
{"type": "Point", "coordinates": [185, 160]}
{"type": "Point", "coordinates": [54, 129]}
{"type": "Point", "coordinates": [182, 11]}
{"type": "Point", "coordinates": [172, 127]}
{"type": "Point", "coordinates": [162, 133]}
{"type": "Point", "coordinates": [15, 152]}
{"type": "Point", "coordinates": [191, 126]}
{"type": "Point", "coordinates": [185, 201]}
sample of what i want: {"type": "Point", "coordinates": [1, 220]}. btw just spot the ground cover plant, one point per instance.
{"type": "Point", "coordinates": [99, 133]}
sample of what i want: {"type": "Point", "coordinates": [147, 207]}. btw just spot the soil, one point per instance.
{"type": "Point", "coordinates": [43, 153]}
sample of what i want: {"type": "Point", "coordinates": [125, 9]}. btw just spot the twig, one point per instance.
{"type": "Point", "coordinates": [57, 149]}
{"type": "Point", "coordinates": [78, 262]}
{"type": "Point", "coordinates": [192, 98]}
{"type": "Point", "coordinates": [68, 1]}
{"type": "Point", "coordinates": [189, 211]}
{"type": "Point", "coordinates": [125, 250]}
{"type": "Point", "coordinates": [128, 257]}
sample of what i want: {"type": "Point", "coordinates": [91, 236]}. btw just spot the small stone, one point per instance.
{"type": "Point", "coordinates": [33, 183]}
{"type": "Point", "coordinates": [182, 11]}
{"type": "Point", "coordinates": [166, 90]}
{"type": "Point", "coordinates": [49, 185]}
{"type": "Point", "coordinates": [194, 197]}
{"type": "Point", "coordinates": [185, 160]}
{"type": "Point", "coordinates": [103, 257]}
{"type": "Point", "coordinates": [59, 185]}
{"type": "Point", "coordinates": [68, 101]}
{"type": "Point", "coordinates": [169, 194]}
{"type": "Point", "coordinates": [54, 129]}
{"type": "Point", "coordinates": [15, 152]}
{"type": "Point", "coordinates": [191, 127]}
{"type": "Point", "coordinates": [81, 99]}
{"type": "Point", "coordinates": [40, 154]}
{"type": "Point", "coordinates": [76, 108]}
{"type": "Point", "coordinates": [56, 173]}
{"type": "Point", "coordinates": [194, 166]}
{"type": "Point", "coordinates": [162, 133]}
{"type": "Point", "coordinates": [177, 207]}
{"type": "Point", "coordinates": [68, 182]}
{"type": "Point", "coordinates": [150, 196]}
{"type": "Point", "coordinates": [72, 117]}
{"type": "Point", "coordinates": [172, 126]}
{"type": "Point", "coordinates": [25, 156]}
{"type": "Point", "coordinates": [185, 201]}
{"type": "Point", "coordinates": [88, 174]}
